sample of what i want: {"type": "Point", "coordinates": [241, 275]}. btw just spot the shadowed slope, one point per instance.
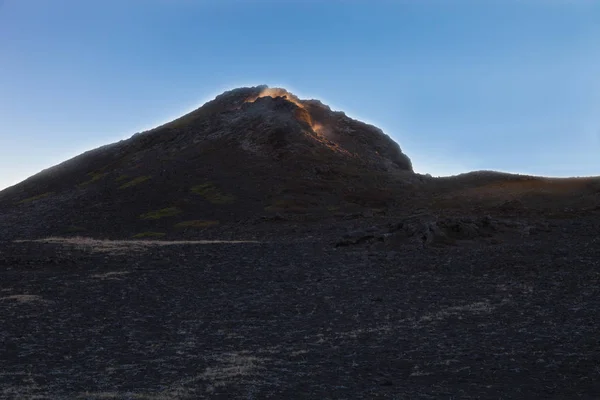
{"type": "Point", "coordinates": [240, 156]}
{"type": "Point", "coordinates": [256, 154]}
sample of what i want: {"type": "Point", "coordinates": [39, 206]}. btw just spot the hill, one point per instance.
{"type": "Point", "coordinates": [249, 153]}
{"type": "Point", "coordinates": [255, 155]}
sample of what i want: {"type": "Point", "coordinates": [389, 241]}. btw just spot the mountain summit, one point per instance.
{"type": "Point", "coordinates": [249, 153]}
{"type": "Point", "coordinates": [275, 123]}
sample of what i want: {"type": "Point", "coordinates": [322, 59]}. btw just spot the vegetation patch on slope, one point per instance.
{"type": "Point", "coordinates": [95, 176]}
{"type": "Point", "coordinates": [121, 178]}
{"type": "Point", "coordinates": [34, 198]}
{"type": "Point", "coordinates": [135, 181]}
{"type": "Point", "coordinates": [163, 212]}
{"type": "Point", "coordinates": [212, 194]}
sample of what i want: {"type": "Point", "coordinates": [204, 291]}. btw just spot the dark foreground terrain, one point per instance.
{"type": "Point", "coordinates": [313, 314]}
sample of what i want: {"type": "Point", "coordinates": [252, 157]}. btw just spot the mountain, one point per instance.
{"type": "Point", "coordinates": [335, 271]}
{"type": "Point", "coordinates": [255, 152]}
{"type": "Point", "coordinates": [255, 155]}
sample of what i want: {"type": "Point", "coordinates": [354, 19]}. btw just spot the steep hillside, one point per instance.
{"type": "Point", "coordinates": [249, 153]}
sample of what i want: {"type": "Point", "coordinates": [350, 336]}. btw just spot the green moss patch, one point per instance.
{"type": "Point", "coordinates": [95, 176]}
{"type": "Point", "coordinates": [148, 235]}
{"type": "Point", "coordinates": [135, 182]}
{"type": "Point", "coordinates": [121, 178]}
{"type": "Point", "coordinates": [212, 194]}
{"type": "Point", "coordinates": [197, 223]}
{"type": "Point", "coordinates": [34, 198]}
{"type": "Point", "coordinates": [164, 212]}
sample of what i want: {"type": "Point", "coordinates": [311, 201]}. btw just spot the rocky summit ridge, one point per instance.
{"type": "Point", "coordinates": [274, 122]}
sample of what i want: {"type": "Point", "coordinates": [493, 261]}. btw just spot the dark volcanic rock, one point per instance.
{"type": "Point", "coordinates": [295, 318]}
{"type": "Point", "coordinates": [248, 152]}
{"type": "Point", "coordinates": [431, 230]}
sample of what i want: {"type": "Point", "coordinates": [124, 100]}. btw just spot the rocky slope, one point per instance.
{"type": "Point", "coordinates": [249, 153]}
{"type": "Point", "coordinates": [260, 154]}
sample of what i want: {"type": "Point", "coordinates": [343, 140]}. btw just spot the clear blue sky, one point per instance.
{"type": "Point", "coordinates": [461, 85]}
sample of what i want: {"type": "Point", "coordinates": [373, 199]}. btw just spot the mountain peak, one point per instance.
{"type": "Point", "coordinates": [248, 151]}
{"type": "Point", "coordinates": [318, 123]}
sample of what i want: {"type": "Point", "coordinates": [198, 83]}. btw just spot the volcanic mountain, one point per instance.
{"type": "Point", "coordinates": [250, 153]}
{"type": "Point", "coordinates": [335, 271]}
{"type": "Point", "coordinates": [254, 155]}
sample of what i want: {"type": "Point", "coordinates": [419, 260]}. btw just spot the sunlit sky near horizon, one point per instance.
{"type": "Point", "coordinates": [461, 85]}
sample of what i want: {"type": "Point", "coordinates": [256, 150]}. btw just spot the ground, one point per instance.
{"type": "Point", "coordinates": [291, 314]}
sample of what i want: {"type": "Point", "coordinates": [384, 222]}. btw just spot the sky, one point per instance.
{"type": "Point", "coordinates": [461, 85]}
